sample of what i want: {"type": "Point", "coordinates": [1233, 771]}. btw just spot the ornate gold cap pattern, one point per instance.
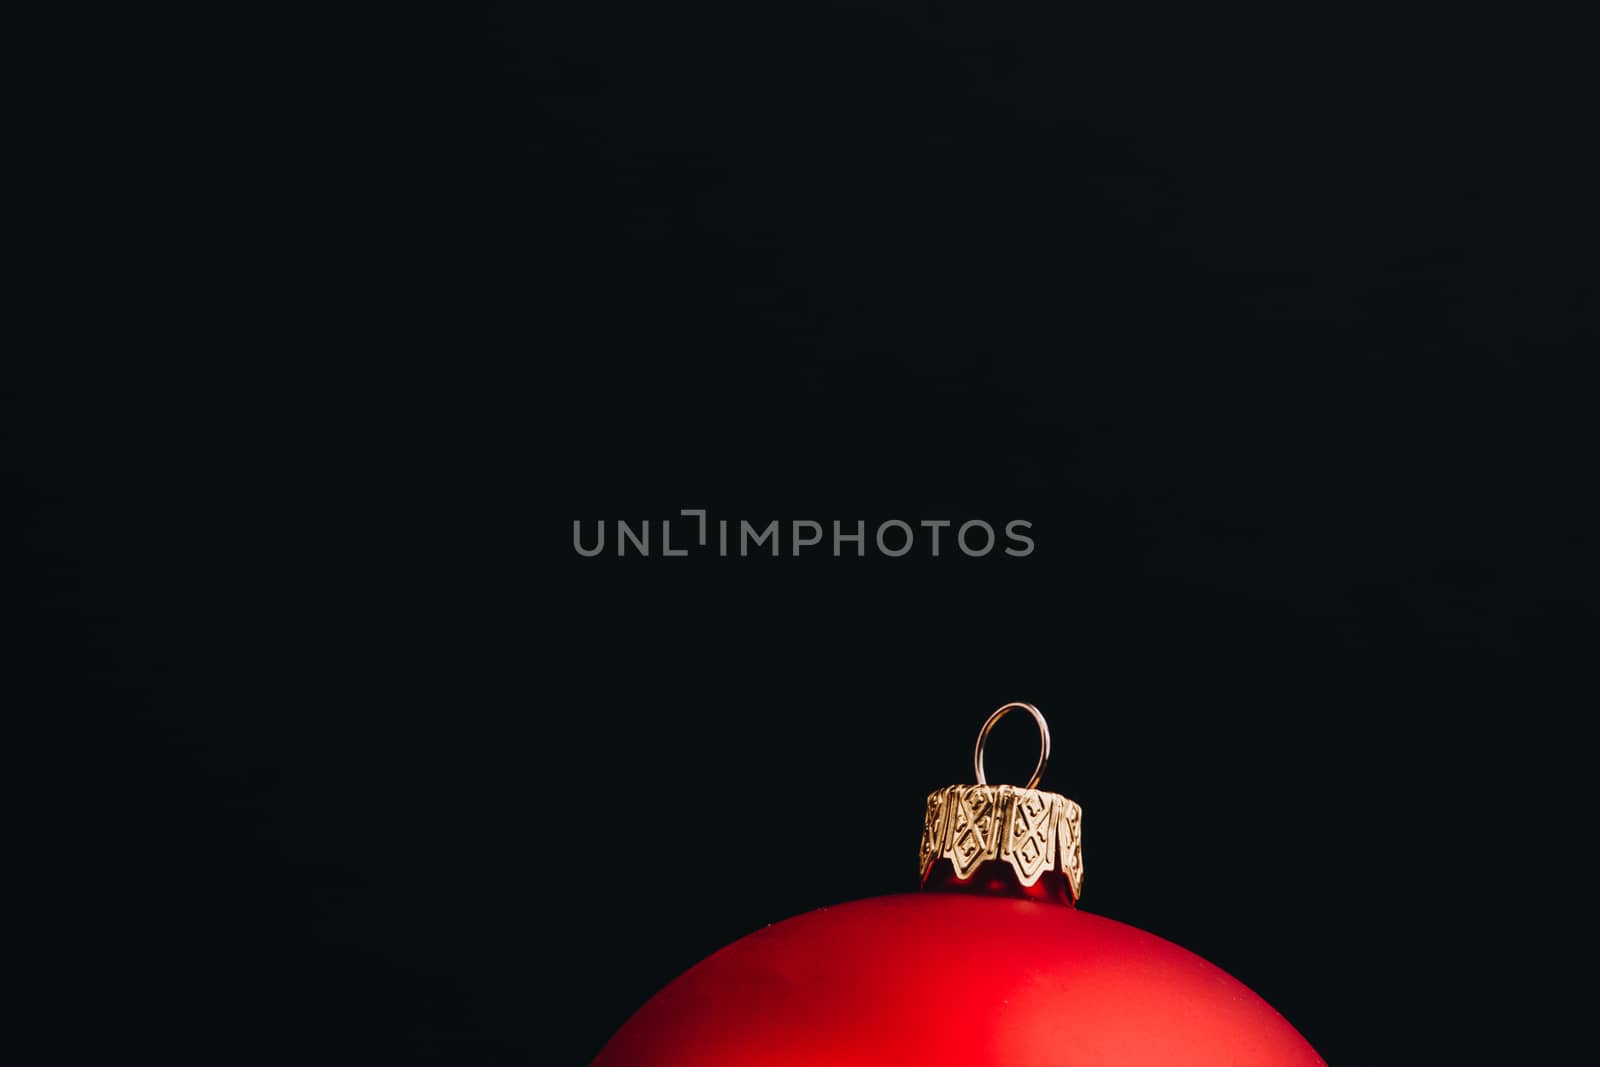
{"type": "Point", "coordinates": [1029, 829]}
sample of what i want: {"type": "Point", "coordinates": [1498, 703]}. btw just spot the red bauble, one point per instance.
{"type": "Point", "coordinates": [942, 978]}
{"type": "Point", "coordinates": [993, 967]}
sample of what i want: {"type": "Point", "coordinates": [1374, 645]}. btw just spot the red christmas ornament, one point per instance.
{"type": "Point", "coordinates": [994, 965]}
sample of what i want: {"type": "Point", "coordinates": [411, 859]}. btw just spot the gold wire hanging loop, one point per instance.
{"type": "Point", "coordinates": [1044, 741]}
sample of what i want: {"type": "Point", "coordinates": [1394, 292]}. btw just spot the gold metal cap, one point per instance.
{"type": "Point", "coordinates": [1034, 832]}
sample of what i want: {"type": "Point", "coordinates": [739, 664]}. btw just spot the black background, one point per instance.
{"type": "Point", "coordinates": [1265, 316]}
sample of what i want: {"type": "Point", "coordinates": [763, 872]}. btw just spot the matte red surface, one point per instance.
{"type": "Point", "coordinates": [934, 979]}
